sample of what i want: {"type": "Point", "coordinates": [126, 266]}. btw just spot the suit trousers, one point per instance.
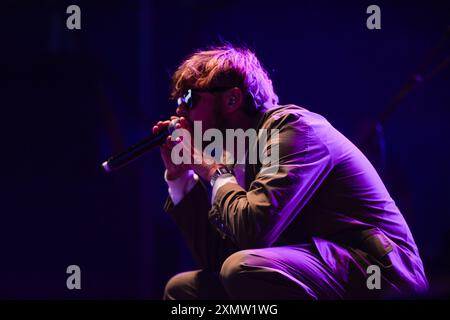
{"type": "Point", "coordinates": [287, 272]}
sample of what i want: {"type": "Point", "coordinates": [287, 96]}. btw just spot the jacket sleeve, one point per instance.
{"type": "Point", "coordinates": [207, 246]}
{"type": "Point", "coordinates": [257, 217]}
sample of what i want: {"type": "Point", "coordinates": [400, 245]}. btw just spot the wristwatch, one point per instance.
{"type": "Point", "coordinates": [221, 171]}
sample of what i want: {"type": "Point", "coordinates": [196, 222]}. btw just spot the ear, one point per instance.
{"type": "Point", "coordinates": [233, 100]}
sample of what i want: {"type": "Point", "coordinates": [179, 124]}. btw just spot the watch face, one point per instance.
{"type": "Point", "coordinates": [220, 171]}
{"type": "Point", "coordinates": [223, 170]}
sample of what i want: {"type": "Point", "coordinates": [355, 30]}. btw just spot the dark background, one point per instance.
{"type": "Point", "coordinates": [71, 98]}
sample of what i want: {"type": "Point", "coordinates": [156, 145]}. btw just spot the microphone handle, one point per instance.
{"type": "Point", "coordinates": [138, 149]}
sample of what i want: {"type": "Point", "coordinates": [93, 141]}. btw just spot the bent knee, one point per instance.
{"type": "Point", "coordinates": [181, 286]}
{"type": "Point", "coordinates": [234, 266]}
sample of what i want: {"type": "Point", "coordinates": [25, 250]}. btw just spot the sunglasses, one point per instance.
{"type": "Point", "coordinates": [187, 99]}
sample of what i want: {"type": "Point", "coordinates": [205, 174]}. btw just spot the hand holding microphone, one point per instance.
{"type": "Point", "coordinates": [161, 137]}
{"type": "Point", "coordinates": [173, 170]}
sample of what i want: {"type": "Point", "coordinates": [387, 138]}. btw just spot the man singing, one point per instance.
{"type": "Point", "coordinates": [316, 228]}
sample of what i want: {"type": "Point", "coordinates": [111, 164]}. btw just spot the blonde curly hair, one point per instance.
{"type": "Point", "coordinates": [225, 66]}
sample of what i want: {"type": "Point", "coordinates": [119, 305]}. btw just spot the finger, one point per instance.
{"type": "Point", "coordinates": [165, 143]}
{"type": "Point", "coordinates": [169, 142]}
{"type": "Point", "coordinates": [155, 129]}
{"type": "Point", "coordinates": [184, 122]}
{"type": "Point", "coordinates": [163, 124]}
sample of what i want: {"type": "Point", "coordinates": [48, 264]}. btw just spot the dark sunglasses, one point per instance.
{"type": "Point", "coordinates": [188, 98]}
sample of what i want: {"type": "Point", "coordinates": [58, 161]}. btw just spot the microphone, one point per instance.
{"type": "Point", "coordinates": [138, 149]}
